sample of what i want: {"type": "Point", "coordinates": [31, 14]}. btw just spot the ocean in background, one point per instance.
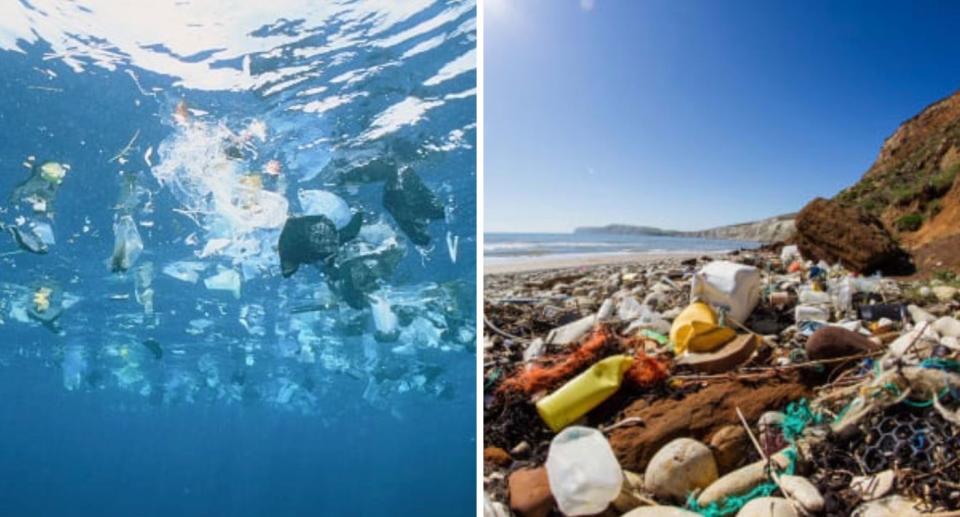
{"type": "Point", "coordinates": [519, 247]}
{"type": "Point", "coordinates": [154, 360]}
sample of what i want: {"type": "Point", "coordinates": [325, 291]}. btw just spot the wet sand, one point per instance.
{"type": "Point", "coordinates": [524, 265]}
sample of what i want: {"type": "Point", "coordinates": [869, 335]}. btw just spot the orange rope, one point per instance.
{"type": "Point", "coordinates": [646, 370]}
{"type": "Point", "coordinates": [545, 377]}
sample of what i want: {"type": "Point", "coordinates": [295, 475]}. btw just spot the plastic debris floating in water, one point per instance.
{"type": "Point", "coordinates": [225, 279]}
{"type": "Point", "coordinates": [185, 271]}
{"type": "Point", "coordinates": [328, 204]}
{"type": "Point", "coordinates": [384, 319]}
{"type": "Point", "coordinates": [74, 366]}
{"type": "Point", "coordinates": [412, 205]}
{"type": "Point", "coordinates": [154, 346]}
{"type": "Point", "coordinates": [127, 244]}
{"type": "Point", "coordinates": [210, 199]}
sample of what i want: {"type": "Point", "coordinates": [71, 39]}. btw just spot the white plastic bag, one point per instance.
{"type": "Point", "coordinates": [384, 319]}
{"type": "Point", "coordinates": [127, 244]}
{"type": "Point", "coordinates": [728, 286]}
{"type": "Point", "coordinates": [321, 202]}
{"type": "Point", "coordinates": [583, 472]}
{"type": "Point", "coordinates": [225, 280]}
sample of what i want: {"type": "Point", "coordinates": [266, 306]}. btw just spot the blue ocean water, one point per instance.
{"type": "Point", "coordinates": [154, 360]}
{"type": "Point", "coordinates": [525, 246]}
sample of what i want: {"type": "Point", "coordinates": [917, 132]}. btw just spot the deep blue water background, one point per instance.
{"type": "Point", "coordinates": [63, 453]}
{"type": "Point", "coordinates": [105, 452]}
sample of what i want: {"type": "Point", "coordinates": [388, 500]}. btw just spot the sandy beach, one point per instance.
{"type": "Point", "coordinates": [546, 263]}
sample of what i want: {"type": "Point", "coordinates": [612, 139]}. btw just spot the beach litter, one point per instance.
{"type": "Point", "coordinates": [764, 383]}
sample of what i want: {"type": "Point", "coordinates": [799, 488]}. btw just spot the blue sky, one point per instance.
{"type": "Point", "coordinates": [692, 114]}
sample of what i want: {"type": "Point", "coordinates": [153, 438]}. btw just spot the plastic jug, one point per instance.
{"type": "Point", "coordinates": [584, 392]}
{"type": "Point", "coordinates": [725, 285]}
{"type": "Point", "coordinates": [808, 295]}
{"type": "Point", "coordinates": [584, 474]}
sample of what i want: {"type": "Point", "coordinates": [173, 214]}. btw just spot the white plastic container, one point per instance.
{"type": "Point", "coordinates": [728, 286]}
{"type": "Point", "coordinates": [811, 313]}
{"type": "Point", "coordinates": [584, 475]}
{"type": "Point", "coordinates": [808, 296]}
{"type": "Point", "coordinates": [789, 253]}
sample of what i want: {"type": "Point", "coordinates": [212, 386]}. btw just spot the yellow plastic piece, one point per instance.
{"type": "Point", "coordinates": [53, 172]}
{"type": "Point", "coordinates": [584, 392]}
{"type": "Point", "coordinates": [41, 299]}
{"type": "Point", "coordinates": [696, 329]}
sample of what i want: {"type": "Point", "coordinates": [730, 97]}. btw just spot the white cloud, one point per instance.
{"type": "Point", "coordinates": [587, 5]}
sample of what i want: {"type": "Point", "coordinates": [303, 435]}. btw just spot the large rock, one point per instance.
{"type": "Point", "coordinates": [834, 233]}
{"type": "Point", "coordinates": [680, 467]}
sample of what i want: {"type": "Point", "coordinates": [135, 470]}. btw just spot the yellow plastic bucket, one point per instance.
{"type": "Point", "coordinates": [584, 392]}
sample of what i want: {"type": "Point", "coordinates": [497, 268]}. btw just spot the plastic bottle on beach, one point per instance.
{"type": "Point", "coordinates": [584, 473]}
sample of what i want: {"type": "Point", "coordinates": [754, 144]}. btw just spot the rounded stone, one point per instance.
{"type": "Point", "coordinates": [945, 293]}
{"type": "Point", "coordinates": [947, 326]}
{"type": "Point", "coordinates": [530, 494]}
{"type": "Point", "coordinates": [768, 507]}
{"type": "Point", "coordinates": [893, 506]}
{"type": "Point", "coordinates": [678, 468]}
{"type": "Point", "coordinates": [729, 445]}
{"type": "Point", "coordinates": [801, 490]}
{"type": "Point", "coordinates": [659, 511]}
{"type": "Point", "coordinates": [496, 456]}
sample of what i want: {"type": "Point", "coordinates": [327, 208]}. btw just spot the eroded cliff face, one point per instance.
{"type": "Point", "coordinates": [907, 186]}
{"type": "Point", "coordinates": [773, 229]}
{"type": "Point", "coordinates": [912, 188]}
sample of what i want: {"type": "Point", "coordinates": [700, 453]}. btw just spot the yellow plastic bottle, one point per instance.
{"type": "Point", "coordinates": [584, 392]}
